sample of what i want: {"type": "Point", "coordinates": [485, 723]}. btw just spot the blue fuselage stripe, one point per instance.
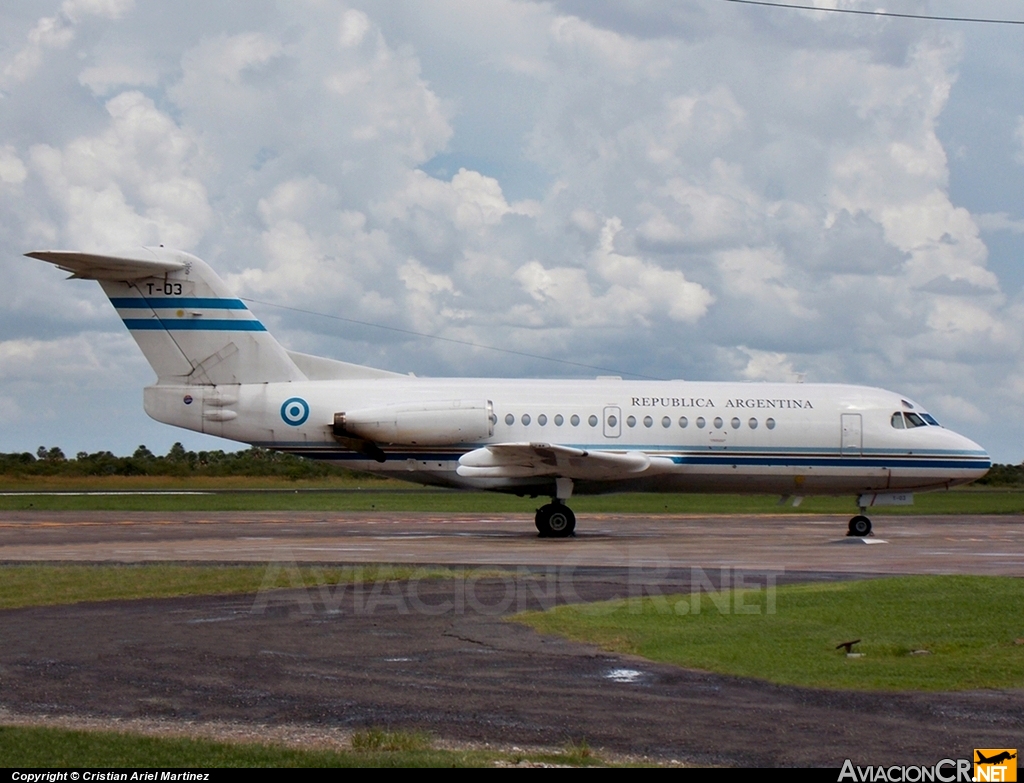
{"type": "Point", "coordinates": [780, 461]}
{"type": "Point", "coordinates": [195, 324]}
{"type": "Point", "coordinates": [169, 302]}
{"type": "Point", "coordinates": [841, 462]}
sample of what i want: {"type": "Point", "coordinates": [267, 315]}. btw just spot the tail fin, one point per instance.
{"type": "Point", "coordinates": [189, 326]}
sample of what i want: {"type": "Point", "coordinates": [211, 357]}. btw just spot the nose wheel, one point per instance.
{"type": "Point", "coordinates": [860, 526]}
{"type": "Point", "coordinates": [555, 520]}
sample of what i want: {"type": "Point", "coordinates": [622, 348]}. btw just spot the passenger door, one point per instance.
{"type": "Point", "coordinates": [852, 438]}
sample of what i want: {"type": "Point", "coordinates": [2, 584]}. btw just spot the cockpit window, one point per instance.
{"type": "Point", "coordinates": [907, 420]}
{"type": "Point", "coordinates": [913, 420]}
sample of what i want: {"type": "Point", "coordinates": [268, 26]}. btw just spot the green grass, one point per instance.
{"type": "Point", "coordinates": [426, 500]}
{"type": "Point", "coordinates": [20, 483]}
{"type": "Point", "coordinates": [968, 625]}
{"type": "Point", "coordinates": [378, 739]}
{"type": "Point", "coordinates": [579, 753]}
{"type": "Point", "coordinates": [47, 585]}
{"type": "Point", "coordinates": [50, 747]}
{"type": "Point", "coordinates": [382, 496]}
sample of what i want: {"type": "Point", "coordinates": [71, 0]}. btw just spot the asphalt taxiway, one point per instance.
{"type": "Point", "coordinates": [902, 544]}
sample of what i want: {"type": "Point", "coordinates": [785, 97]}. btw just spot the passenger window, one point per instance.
{"type": "Point", "coordinates": [631, 421]}
{"type": "Point", "coordinates": [558, 419]}
{"type": "Point", "coordinates": [718, 422]}
{"type": "Point", "coordinates": [612, 421]}
{"type": "Point", "coordinates": [575, 420]}
{"type": "Point", "coordinates": [683, 422]}
{"type": "Point", "coordinates": [648, 421]}
{"type": "Point", "coordinates": [592, 421]}
{"type": "Point", "coordinates": [700, 422]}
{"type": "Point", "coordinates": [525, 419]}
{"type": "Point", "coordinates": [769, 423]}
{"type": "Point", "coordinates": [735, 423]}
{"type": "Point", "coordinates": [666, 422]}
{"type": "Point", "coordinates": [510, 419]}
{"type": "Point", "coordinates": [542, 420]}
{"type": "Point", "coordinates": [897, 420]}
{"type": "Point", "coordinates": [752, 424]}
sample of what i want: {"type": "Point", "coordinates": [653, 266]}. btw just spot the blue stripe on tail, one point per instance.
{"type": "Point", "coordinates": [165, 302]}
{"type": "Point", "coordinates": [195, 324]}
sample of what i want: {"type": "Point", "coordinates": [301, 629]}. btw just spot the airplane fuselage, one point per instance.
{"type": "Point", "coordinates": [799, 439]}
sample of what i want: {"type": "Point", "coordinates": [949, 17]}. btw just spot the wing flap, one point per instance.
{"type": "Point", "coordinates": [525, 460]}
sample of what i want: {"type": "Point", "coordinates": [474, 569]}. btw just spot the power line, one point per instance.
{"type": "Point", "coordinates": [450, 340]}
{"type": "Point", "coordinates": [878, 13]}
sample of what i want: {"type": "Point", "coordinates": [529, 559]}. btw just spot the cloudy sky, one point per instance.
{"type": "Point", "coordinates": [681, 189]}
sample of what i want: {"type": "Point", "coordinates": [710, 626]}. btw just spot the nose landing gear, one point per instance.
{"type": "Point", "coordinates": [860, 526]}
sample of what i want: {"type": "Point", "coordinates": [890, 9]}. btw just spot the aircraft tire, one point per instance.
{"type": "Point", "coordinates": [555, 520]}
{"type": "Point", "coordinates": [860, 526]}
{"type": "Point", "coordinates": [541, 520]}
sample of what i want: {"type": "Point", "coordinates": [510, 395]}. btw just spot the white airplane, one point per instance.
{"type": "Point", "coordinates": [220, 372]}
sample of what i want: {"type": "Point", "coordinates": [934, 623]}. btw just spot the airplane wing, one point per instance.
{"type": "Point", "coordinates": [523, 460]}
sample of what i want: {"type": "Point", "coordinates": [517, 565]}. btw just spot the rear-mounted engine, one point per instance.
{"type": "Point", "coordinates": [419, 424]}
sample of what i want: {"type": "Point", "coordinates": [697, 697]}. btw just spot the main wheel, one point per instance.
{"type": "Point", "coordinates": [555, 520]}
{"type": "Point", "coordinates": [541, 520]}
{"type": "Point", "coordinates": [860, 526]}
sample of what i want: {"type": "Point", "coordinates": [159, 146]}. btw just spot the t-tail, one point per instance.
{"type": "Point", "coordinates": [192, 330]}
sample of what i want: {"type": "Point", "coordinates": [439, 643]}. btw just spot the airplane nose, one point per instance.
{"type": "Point", "coordinates": [977, 454]}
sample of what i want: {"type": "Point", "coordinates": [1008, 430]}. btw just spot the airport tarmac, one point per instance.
{"type": "Point", "coordinates": [901, 544]}
{"type": "Point", "coordinates": [438, 655]}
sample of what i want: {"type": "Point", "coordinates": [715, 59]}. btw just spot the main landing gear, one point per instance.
{"type": "Point", "coordinates": [555, 520]}
{"type": "Point", "coordinates": [860, 526]}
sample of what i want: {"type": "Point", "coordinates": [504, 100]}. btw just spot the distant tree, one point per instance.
{"type": "Point", "coordinates": [177, 453]}
{"type": "Point", "coordinates": [17, 464]}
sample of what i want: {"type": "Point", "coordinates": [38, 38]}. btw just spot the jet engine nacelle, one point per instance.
{"type": "Point", "coordinates": [419, 424]}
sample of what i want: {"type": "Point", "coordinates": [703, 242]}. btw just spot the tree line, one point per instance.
{"type": "Point", "coordinates": [177, 461]}
{"type": "Point", "coordinates": [1004, 476]}
{"type": "Point", "coordinates": [253, 461]}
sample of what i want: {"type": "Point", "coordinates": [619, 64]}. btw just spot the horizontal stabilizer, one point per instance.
{"type": "Point", "coordinates": [523, 460]}
{"type": "Point", "coordinates": [134, 264]}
